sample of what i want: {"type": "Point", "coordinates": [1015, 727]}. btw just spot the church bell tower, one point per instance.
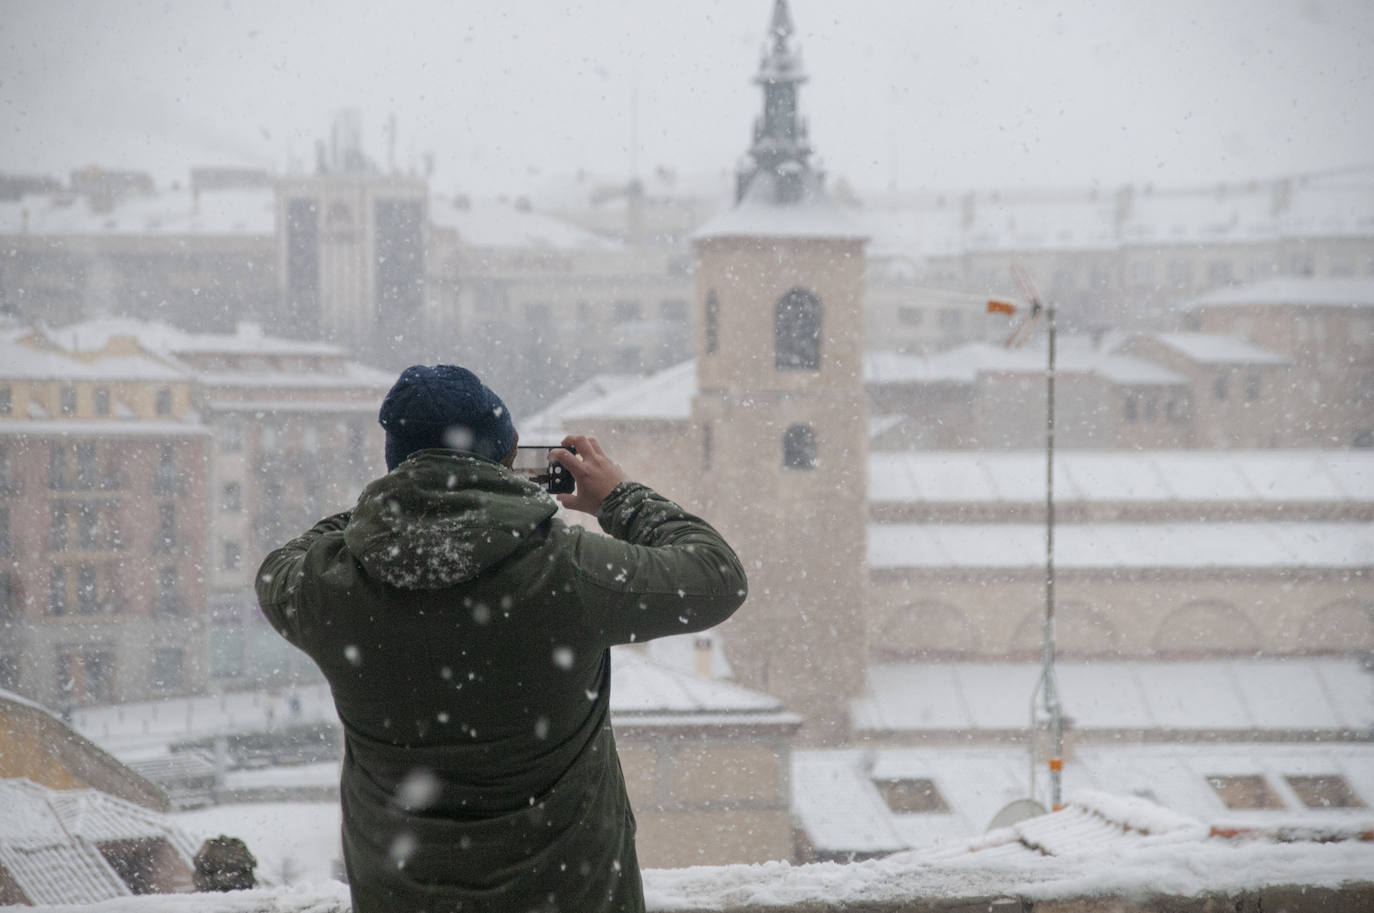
{"type": "Point", "coordinates": [781, 410]}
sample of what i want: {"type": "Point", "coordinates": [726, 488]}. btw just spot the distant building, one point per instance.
{"type": "Point", "coordinates": [102, 523]}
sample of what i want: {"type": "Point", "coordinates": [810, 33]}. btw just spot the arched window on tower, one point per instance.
{"type": "Point", "coordinates": [799, 447]}
{"type": "Point", "coordinates": [712, 323]}
{"type": "Point", "coordinates": [797, 331]}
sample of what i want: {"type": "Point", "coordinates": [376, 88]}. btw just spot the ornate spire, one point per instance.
{"type": "Point", "coordinates": [780, 147]}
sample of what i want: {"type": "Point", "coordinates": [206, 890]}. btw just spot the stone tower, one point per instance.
{"type": "Point", "coordinates": [781, 411]}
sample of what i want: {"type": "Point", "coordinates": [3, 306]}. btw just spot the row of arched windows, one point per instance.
{"type": "Point", "coordinates": [796, 330]}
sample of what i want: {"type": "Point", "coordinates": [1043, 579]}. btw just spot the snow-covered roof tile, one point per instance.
{"type": "Point", "coordinates": [237, 212]}
{"type": "Point", "coordinates": [1122, 545]}
{"type": "Point", "coordinates": [1293, 291]}
{"type": "Point", "coordinates": [1168, 475]}
{"type": "Point", "coordinates": [1241, 695]}
{"type": "Point", "coordinates": [498, 224]}
{"type": "Point", "coordinates": [647, 687]}
{"type": "Point", "coordinates": [666, 394]}
{"type": "Point", "coordinates": [1216, 349]}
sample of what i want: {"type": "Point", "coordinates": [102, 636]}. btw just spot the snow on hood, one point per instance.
{"type": "Point", "coordinates": [441, 518]}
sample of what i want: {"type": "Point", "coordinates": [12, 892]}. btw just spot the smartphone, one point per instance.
{"type": "Point", "coordinates": [534, 463]}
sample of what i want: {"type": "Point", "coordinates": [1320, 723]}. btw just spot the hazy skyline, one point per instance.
{"type": "Point", "coordinates": [906, 94]}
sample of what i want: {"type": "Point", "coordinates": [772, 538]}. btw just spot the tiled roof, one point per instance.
{"type": "Point", "coordinates": [49, 840]}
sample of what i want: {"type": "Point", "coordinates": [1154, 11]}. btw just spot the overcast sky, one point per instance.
{"type": "Point", "coordinates": [926, 95]}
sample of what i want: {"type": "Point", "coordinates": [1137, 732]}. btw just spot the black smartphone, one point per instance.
{"type": "Point", "coordinates": [534, 463]}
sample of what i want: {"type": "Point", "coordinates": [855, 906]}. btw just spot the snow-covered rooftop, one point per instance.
{"type": "Point", "coordinates": [643, 688]}
{"type": "Point", "coordinates": [500, 224]}
{"type": "Point", "coordinates": [239, 211]}
{"type": "Point", "coordinates": [664, 395]}
{"type": "Point", "coordinates": [1266, 476]}
{"type": "Point", "coordinates": [837, 797]}
{"type": "Point", "coordinates": [1253, 695]}
{"type": "Point", "coordinates": [1101, 847]}
{"type": "Point", "coordinates": [19, 361]}
{"type": "Point", "coordinates": [546, 426]}
{"type": "Point", "coordinates": [948, 225]}
{"type": "Point", "coordinates": [962, 364]}
{"type": "Point", "coordinates": [1216, 349]}
{"type": "Point", "coordinates": [1115, 546]}
{"type": "Point", "coordinates": [814, 215]}
{"type": "Point", "coordinates": [49, 840]}
{"type": "Point", "coordinates": [1293, 291]}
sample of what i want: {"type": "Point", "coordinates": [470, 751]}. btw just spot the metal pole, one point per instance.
{"type": "Point", "coordinates": [1052, 706]}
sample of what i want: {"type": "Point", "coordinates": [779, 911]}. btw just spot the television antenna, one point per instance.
{"type": "Point", "coordinates": [1046, 687]}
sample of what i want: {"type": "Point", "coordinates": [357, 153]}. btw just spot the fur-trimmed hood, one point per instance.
{"type": "Point", "coordinates": [441, 518]}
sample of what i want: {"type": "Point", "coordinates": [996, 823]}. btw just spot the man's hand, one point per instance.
{"type": "Point", "coordinates": [594, 473]}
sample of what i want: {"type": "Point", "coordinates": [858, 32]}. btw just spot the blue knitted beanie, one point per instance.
{"type": "Point", "coordinates": [444, 406]}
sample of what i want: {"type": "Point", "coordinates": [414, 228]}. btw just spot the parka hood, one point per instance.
{"type": "Point", "coordinates": [441, 518]}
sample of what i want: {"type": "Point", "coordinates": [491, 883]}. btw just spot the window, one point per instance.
{"type": "Point", "coordinates": [232, 435]}
{"type": "Point", "coordinates": [165, 476]}
{"type": "Point", "coordinates": [233, 497]}
{"type": "Point", "coordinates": [167, 669]}
{"type": "Point", "coordinates": [85, 466]}
{"type": "Point", "coordinates": [626, 312]}
{"type": "Point", "coordinates": [799, 447]}
{"type": "Point", "coordinates": [5, 544]}
{"type": "Point", "coordinates": [1150, 408]}
{"type": "Point", "coordinates": [6, 401]}
{"type": "Point", "coordinates": [233, 555]}
{"type": "Point", "coordinates": [1252, 387]}
{"type": "Point", "coordinates": [712, 323]}
{"type": "Point", "coordinates": [57, 591]}
{"type": "Point", "coordinates": [166, 538]}
{"type": "Point", "coordinates": [168, 600]}
{"type": "Point", "coordinates": [1219, 272]}
{"type": "Point", "coordinates": [310, 439]}
{"type": "Point", "coordinates": [909, 315]}
{"type": "Point", "coordinates": [87, 601]}
{"type": "Point", "coordinates": [67, 400]}
{"type": "Point", "coordinates": [1245, 791]}
{"type": "Point", "coordinates": [797, 332]}
{"type": "Point", "coordinates": [626, 360]}
{"type": "Point", "coordinates": [1175, 411]}
{"type": "Point", "coordinates": [100, 401]}
{"type": "Point", "coordinates": [1219, 386]}
{"type": "Point", "coordinates": [8, 608]}
{"type": "Point", "coordinates": [163, 402]}
{"type": "Point", "coordinates": [951, 320]}
{"type": "Point", "coordinates": [1325, 791]}
{"type": "Point", "coordinates": [57, 528]}
{"type": "Point", "coordinates": [912, 797]}
{"type": "Point", "coordinates": [708, 445]}
{"type": "Point", "coordinates": [1129, 408]}
{"type": "Point", "coordinates": [9, 671]}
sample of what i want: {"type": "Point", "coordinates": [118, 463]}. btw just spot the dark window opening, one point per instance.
{"type": "Point", "coordinates": [1245, 791]}
{"type": "Point", "coordinates": [400, 256]}
{"type": "Point", "coordinates": [799, 447]}
{"type": "Point", "coordinates": [912, 797]}
{"type": "Point", "coordinates": [167, 665]}
{"type": "Point", "coordinates": [1325, 791]}
{"type": "Point", "coordinates": [797, 332]}
{"type": "Point", "coordinates": [712, 323]}
{"type": "Point", "coordinates": [164, 402]}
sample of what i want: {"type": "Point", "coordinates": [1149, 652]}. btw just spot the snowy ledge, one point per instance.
{"type": "Point", "coordinates": [1182, 878]}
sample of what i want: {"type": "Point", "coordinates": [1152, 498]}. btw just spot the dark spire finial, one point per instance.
{"type": "Point", "coordinates": [780, 148]}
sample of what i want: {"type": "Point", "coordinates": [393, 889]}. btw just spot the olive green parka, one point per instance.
{"type": "Point", "coordinates": [463, 629]}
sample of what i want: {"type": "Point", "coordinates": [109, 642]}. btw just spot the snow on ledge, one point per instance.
{"type": "Point", "coordinates": [1176, 869]}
